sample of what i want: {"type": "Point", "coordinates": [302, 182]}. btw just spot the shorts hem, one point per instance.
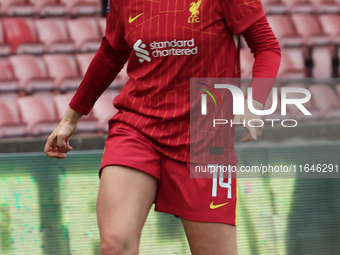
{"type": "Point", "coordinates": [129, 163]}
{"type": "Point", "coordinates": [195, 217]}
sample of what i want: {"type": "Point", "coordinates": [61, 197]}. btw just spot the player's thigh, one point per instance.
{"type": "Point", "coordinates": [210, 238]}
{"type": "Point", "coordinates": [124, 199]}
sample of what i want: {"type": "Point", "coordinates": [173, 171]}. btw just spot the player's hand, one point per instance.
{"type": "Point", "coordinates": [253, 132]}
{"type": "Point", "coordinates": [58, 142]}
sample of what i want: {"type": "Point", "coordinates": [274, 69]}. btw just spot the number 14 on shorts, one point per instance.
{"type": "Point", "coordinates": [218, 179]}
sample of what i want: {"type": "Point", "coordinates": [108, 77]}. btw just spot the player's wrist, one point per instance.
{"type": "Point", "coordinates": [71, 117]}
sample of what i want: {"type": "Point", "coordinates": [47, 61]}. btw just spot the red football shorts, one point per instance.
{"type": "Point", "coordinates": [195, 199]}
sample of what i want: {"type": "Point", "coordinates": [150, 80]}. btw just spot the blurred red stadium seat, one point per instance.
{"type": "Point", "coordinates": [61, 103]}
{"type": "Point", "coordinates": [104, 109]}
{"type": "Point", "coordinates": [330, 24]}
{"type": "Point", "coordinates": [63, 69]}
{"type": "Point", "coordinates": [309, 27]}
{"type": "Point", "coordinates": [5, 48]}
{"type": "Point", "coordinates": [86, 124]}
{"type": "Point", "coordinates": [34, 111]}
{"type": "Point", "coordinates": [47, 97]}
{"type": "Point", "coordinates": [247, 62]}
{"type": "Point", "coordinates": [284, 30]}
{"type": "Point", "coordinates": [16, 7]}
{"type": "Point", "coordinates": [53, 33]}
{"type": "Point", "coordinates": [7, 80]}
{"type": "Point", "coordinates": [312, 6]}
{"type": "Point", "coordinates": [84, 61]}
{"type": "Point", "coordinates": [299, 6]}
{"type": "Point", "coordinates": [325, 100]}
{"type": "Point", "coordinates": [5, 72]}
{"type": "Point", "coordinates": [31, 72]}
{"type": "Point", "coordinates": [9, 126]}
{"type": "Point", "coordinates": [85, 33]}
{"type": "Point", "coordinates": [297, 55]}
{"type": "Point", "coordinates": [322, 62]}
{"type": "Point", "coordinates": [292, 64]}
{"type": "Point", "coordinates": [10, 100]}
{"type": "Point", "coordinates": [48, 7]}
{"type": "Point", "coordinates": [82, 7]}
{"type": "Point", "coordinates": [326, 6]}
{"type": "Point", "coordinates": [337, 88]}
{"type": "Point", "coordinates": [273, 6]}
{"type": "Point", "coordinates": [20, 34]}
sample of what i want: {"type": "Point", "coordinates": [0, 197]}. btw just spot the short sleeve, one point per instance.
{"type": "Point", "coordinates": [240, 14]}
{"type": "Point", "coordinates": [114, 32]}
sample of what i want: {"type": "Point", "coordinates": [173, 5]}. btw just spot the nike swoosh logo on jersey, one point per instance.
{"type": "Point", "coordinates": [212, 206]}
{"type": "Point", "coordinates": [133, 19]}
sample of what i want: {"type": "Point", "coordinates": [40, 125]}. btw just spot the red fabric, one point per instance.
{"type": "Point", "coordinates": [156, 99]}
{"type": "Point", "coordinates": [103, 69]}
{"type": "Point", "coordinates": [177, 192]}
{"type": "Point", "coordinates": [239, 14]}
{"type": "Point", "coordinates": [265, 47]}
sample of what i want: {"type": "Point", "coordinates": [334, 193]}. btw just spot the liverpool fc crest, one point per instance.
{"type": "Point", "coordinates": [194, 12]}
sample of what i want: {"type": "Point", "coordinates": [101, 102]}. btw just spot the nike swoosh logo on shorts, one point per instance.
{"type": "Point", "coordinates": [133, 19]}
{"type": "Point", "coordinates": [212, 206]}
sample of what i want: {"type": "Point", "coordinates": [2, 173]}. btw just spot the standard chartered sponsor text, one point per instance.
{"type": "Point", "coordinates": [174, 48]}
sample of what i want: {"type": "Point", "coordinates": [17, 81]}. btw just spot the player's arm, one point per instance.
{"type": "Point", "coordinates": [247, 17]}
{"type": "Point", "coordinates": [103, 69]}
{"type": "Point", "coordinates": [265, 47]}
{"type": "Point", "coordinates": [267, 53]}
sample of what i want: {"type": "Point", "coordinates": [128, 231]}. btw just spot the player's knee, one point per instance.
{"type": "Point", "coordinates": [117, 245]}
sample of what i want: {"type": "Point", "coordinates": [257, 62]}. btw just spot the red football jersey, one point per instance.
{"type": "Point", "coordinates": [167, 43]}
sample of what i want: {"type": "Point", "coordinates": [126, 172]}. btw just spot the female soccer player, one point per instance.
{"type": "Point", "coordinates": [146, 156]}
